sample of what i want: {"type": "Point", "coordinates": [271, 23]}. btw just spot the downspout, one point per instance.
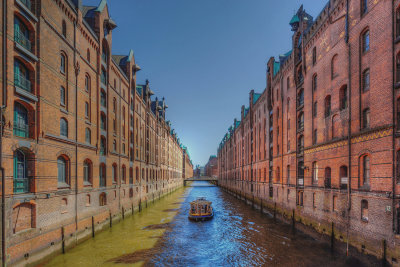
{"type": "Point", "coordinates": [349, 129]}
{"type": "Point", "coordinates": [4, 103]}
{"type": "Point", "coordinates": [394, 123]}
{"type": "Point", "coordinates": [76, 132]}
{"type": "Point", "coordinates": [119, 152]}
{"type": "Point", "coordinates": [282, 109]}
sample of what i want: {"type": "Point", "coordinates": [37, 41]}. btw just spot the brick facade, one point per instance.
{"type": "Point", "coordinates": [322, 139]}
{"type": "Point", "coordinates": [211, 168]}
{"type": "Point", "coordinates": [81, 140]}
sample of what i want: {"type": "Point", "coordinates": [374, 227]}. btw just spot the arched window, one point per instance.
{"type": "Point", "coordinates": [137, 175]}
{"type": "Point", "coordinates": [87, 110]}
{"type": "Point", "coordinates": [365, 80]}
{"type": "Point", "coordinates": [334, 67]}
{"type": "Point", "coordinates": [103, 121]}
{"type": "Point", "coordinates": [103, 199]}
{"type": "Point", "coordinates": [63, 63]}
{"type": "Point", "coordinates": [300, 144]}
{"type": "Point", "coordinates": [278, 174]}
{"type": "Point", "coordinates": [114, 173]}
{"type": "Point", "coordinates": [123, 174]}
{"type": "Point", "coordinates": [300, 77]}
{"type": "Point", "coordinates": [21, 180]}
{"type": "Point", "coordinates": [364, 210]}
{"type": "Point", "coordinates": [63, 97]}
{"type": "Point", "coordinates": [343, 97]}
{"type": "Point", "coordinates": [88, 136]}
{"type": "Point", "coordinates": [21, 125]}
{"type": "Point", "coordinates": [366, 119]}
{"type": "Point", "coordinates": [64, 28]}
{"type": "Point", "coordinates": [114, 145]}
{"type": "Point", "coordinates": [327, 177]}
{"type": "Point", "coordinates": [87, 172]}
{"type": "Point", "coordinates": [314, 55]}
{"type": "Point", "coordinates": [343, 177]}
{"type": "Point", "coordinates": [103, 146]}
{"type": "Point", "coordinates": [63, 171]}
{"type": "Point", "coordinates": [365, 41]}
{"type": "Point", "coordinates": [22, 34]}
{"type": "Point", "coordinates": [63, 127]}
{"type": "Point", "coordinates": [315, 137]}
{"type": "Point", "coordinates": [103, 76]}
{"type": "Point", "coordinates": [315, 109]}
{"type": "Point", "coordinates": [131, 175]}
{"type": "Point", "coordinates": [102, 175]}
{"type": "Point", "coordinates": [22, 76]}
{"type": "Point", "coordinates": [103, 98]}
{"type": "Point", "coordinates": [315, 172]}
{"type": "Point", "coordinates": [365, 170]}
{"type": "Point", "coordinates": [328, 106]}
{"type": "Point", "coordinates": [315, 82]}
{"type": "Point", "coordinates": [288, 174]}
{"type": "Point", "coordinates": [114, 105]}
{"type": "Point", "coordinates": [87, 83]}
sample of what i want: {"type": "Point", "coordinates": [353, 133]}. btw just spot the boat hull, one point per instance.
{"type": "Point", "coordinates": [197, 218]}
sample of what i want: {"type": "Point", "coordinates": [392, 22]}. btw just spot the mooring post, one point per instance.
{"type": "Point", "coordinates": [110, 219]}
{"type": "Point", "coordinates": [63, 240]}
{"type": "Point", "coordinates": [275, 211]}
{"type": "Point", "coordinates": [123, 213]}
{"type": "Point", "coordinates": [140, 205]}
{"type": "Point", "coordinates": [92, 226]}
{"type": "Point", "coordinates": [261, 206]}
{"type": "Point", "coordinates": [293, 222]}
{"type": "Point", "coordinates": [252, 202]}
{"type": "Point", "coordinates": [332, 237]}
{"type": "Point", "coordinates": [384, 252]}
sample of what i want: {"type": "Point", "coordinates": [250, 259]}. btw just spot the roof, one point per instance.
{"type": "Point", "coordinates": [256, 97]}
{"type": "Point", "coordinates": [277, 66]}
{"type": "Point", "coordinates": [86, 9]}
{"type": "Point", "coordinates": [295, 19]}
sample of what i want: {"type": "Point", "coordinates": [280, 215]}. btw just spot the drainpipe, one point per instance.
{"type": "Point", "coordinates": [76, 132]}
{"type": "Point", "coordinates": [394, 123]}
{"type": "Point", "coordinates": [349, 128]}
{"type": "Point", "coordinates": [4, 103]}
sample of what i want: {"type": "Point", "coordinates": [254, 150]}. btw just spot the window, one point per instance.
{"type": "Point", "coordinates": [365, 80]}
{"type": "Point", "coordinates": [103, 76]}
{"type": "Point", "coordinates": [64, 28]}
{"type": "Point", "coordinates": [115, 146]}
{"type": "Point", "coordinates": [364, 7]}
{"type": "Point", "coordinates": [88, 55]}
{"type": "Point", "coordinates": [314, 82]}
{"type": "Point", "coordinates": [87, 172]}
{"type": "Point", "coordinates": [62, 96]}
{"type": "Point", "coordinates": [315, 136]}
{"type": "Point", "coordinates": [300, 198]}
{"type": "Point", "coordinates": [288, 174]}
{"type": "Point", "coordinates": [327, 106]}
{"type": "Point", "coordinates": [343, 97]}
{"type": "Point", "coordinates": [87, 115]}
{"type": "Point", "coordinates": [22, 34]}
{"type": "Point", "coordinates": [114, 173]}
{"type": "Point", "coordinates": [87, 83]}
{"type": "Point", "coordinates": [103, 99]}
{"type": "Point", "coordinates": [364, 210]}
{"type": "Point", "coordinates": [21, 126]}
{"type": "Point", "coordinates": [22, 76]}
{"type": "Point", "coordinates": [288, 83]}
{"type": "Point", "coordinates": [365, 41]}
{"type": "Point", "coordinates": [315, 172]}
{"type": "Point", "coordinates": [63, 127]}
{"type": "Point", "coordinates": [327, 181]}
{"type": "Point", "coordinates": [300, 144]}
{"type": "Point", "coordinates": [21, 180]}
{"type": "Point", "coordinates": [366, 122]}
{"type": "Point", "coordinates": [314, 55]}
{"type": "Point", "coordinates": [103, 121]}
{"type": "Point", "coordinates": [103, 199]}
{"type": "Point", "coordinates": [115, 83]}
{"type": "Point", "coordinates": [365, 171]}
{"type": "Point", "coordinates": [300, 77]}
{"type": "Point", "coordinates": [103, 146]}
{"type": "Point", "coordinates": [334, 203]}
{"type": "Point", "coordinates": [62, 63]}
{"type": "Point", "coordinates": [315, 109]}
{"type": "Point", "coordinates": [343, 177]}
{"type": "Point", "coordinates": [278, 174]}
{"type": "Point", "coordinates": [300, 98]}
{"type": "Point", "coordinates": [300, 120]}
{"type": "Point", "coordinates": [314, 200]}
{"type": "Point", "coordinates": [398, 114]}
{"type": "Point", "coordinates": [114, 105]}
{"type": "Point", "coordinates": [398, 23]}
{"type": "Point", "coordinates": [102, 175]}
{"type": "Point", "coordinates": [334, 67]}
{"type": "Point", "coordinates": [114, 125]}
{"type": "Point", "coordinates": [62, 171]}
{"type": "Point", "coordinates": [88, 136]}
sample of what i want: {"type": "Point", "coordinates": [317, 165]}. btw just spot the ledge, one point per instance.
{"type": "Point", "coordinates": [26, 52]}
{"type": "Point", "coordinates": [26, 10]}
{"type": "Point", "coordinates": [25, 93]}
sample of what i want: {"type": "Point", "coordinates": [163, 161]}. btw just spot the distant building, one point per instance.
{"type": "Point", "coordinates": [211, 168]}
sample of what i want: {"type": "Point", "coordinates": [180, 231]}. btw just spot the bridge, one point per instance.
{"type": "Point", "coordinates": [204, 179]}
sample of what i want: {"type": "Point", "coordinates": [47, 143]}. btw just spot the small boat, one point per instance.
{"type": "Point", "coordinates": [201, 210]}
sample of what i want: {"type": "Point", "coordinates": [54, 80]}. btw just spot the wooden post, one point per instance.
{"type": "Point", "coordinates": [110, 219]}
{"type": "Point", "coordinates": [133, 208]}
{"type": "Point", "coordinates": [384, 252]}
{"type": "Point", "coordinates": [140, 205]}
{"type": "Point", "coordinates": [332, 237]}
{"type": "Point", "coordinates": [93, 226]}
{"type": "Point", "coordinates": [275, 211]}
{"type": "Point", "coordinates": [63, 240]}
{"type": "Point", "coordinates": [261, 206]}
{"type": "Point", "coordinates": [293, 223]}
{"type": "Point", "coordinates": [123, 213]}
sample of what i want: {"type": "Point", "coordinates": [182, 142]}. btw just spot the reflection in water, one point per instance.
{"type": "Point", "coordinates": [236, 236]}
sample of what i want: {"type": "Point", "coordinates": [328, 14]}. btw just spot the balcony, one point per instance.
{"type": "Point", "coordinates": [21, 39]}
{"type": "Point", "coordinates": [21, 185]}
{"type": "Point", "coordinates": [22, 82]}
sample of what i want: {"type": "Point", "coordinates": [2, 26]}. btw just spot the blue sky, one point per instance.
{"type": "Point", "coordinates": [204, 56]}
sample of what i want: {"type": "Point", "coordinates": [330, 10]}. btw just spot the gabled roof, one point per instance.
{"type": "Point", "coordinates": [277, 66]}
{"type": "Point", "coordinates": [295, 19]}
{"type": "Point", "coordinates": [256, 97]}
{"type": "Point", "coordinates": [101, 6]}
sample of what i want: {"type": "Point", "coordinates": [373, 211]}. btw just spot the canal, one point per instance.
{"type": "Point", "coordinates": [162, 235]}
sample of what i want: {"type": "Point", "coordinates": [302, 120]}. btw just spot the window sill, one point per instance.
{"type": "Point", "coordinates": [61, 186]}
{"type": "Point", "coordinates": [26, 52]}
{"type": "Point", "coordinates": [87, 184]}
{"type": "Point", "coordinates": [88, 122]}
{"type": "Point", "coordinates": [26, 94]}
{"type": "Point", "coordinates": [22, 6]}
{"type": "Point", "coordinates": [63, 110]}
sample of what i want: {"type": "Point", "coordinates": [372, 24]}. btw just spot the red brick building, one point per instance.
{"type": "Point", "coordinates": [322, 139]}
{"type": "Point", "coordinates": [211, 168]}
{"type": "Point", "coordinates": [81, 141]}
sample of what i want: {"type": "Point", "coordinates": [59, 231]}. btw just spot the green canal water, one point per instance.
{"type": "Point", "coordinates": [135, 233]}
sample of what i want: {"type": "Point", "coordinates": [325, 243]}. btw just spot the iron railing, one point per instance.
{"type": "Point", "coordinates": [20, 38]}
{"type": "Point", "coordinates": [21, 129]}
{"type": "Point", "coordinates": [22, 82]}
{"type": "Point", "coordinates": [21, 185]}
